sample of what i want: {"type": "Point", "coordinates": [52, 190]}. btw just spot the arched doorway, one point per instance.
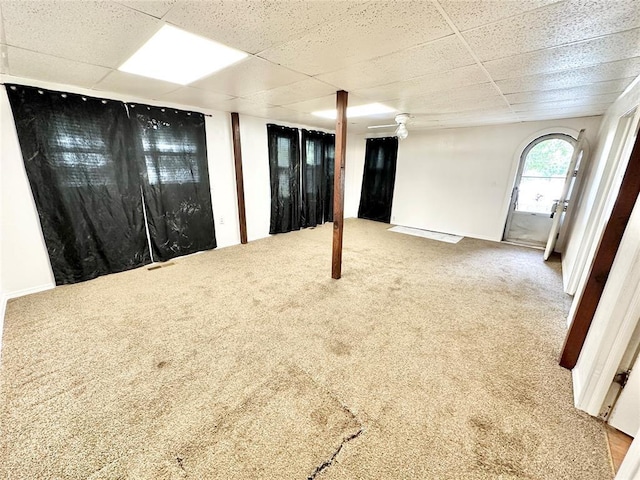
{"type": "Point", "coordinates": [543, 168]}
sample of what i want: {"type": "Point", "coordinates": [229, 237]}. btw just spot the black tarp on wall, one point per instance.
{"type": "Point", "coordinates": [171, 151]}
{"type": "Point", "coordinates": [84, 180]}
{"type": "Point", "coordinates": [378, 179]}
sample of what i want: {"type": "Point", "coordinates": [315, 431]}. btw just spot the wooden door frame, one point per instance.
{"type": "Point", "coordinates": [603, 260]}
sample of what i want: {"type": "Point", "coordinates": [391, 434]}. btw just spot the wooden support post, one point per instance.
{"type": "Point", "coordinates": [338, 183]}
{"type": "Point", "coordinates": [237, 156]}
{"type": "Point", "coordinates": [611, 238]}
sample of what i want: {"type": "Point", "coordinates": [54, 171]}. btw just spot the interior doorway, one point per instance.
{"type": "Point", "coordinates": [542, 172]}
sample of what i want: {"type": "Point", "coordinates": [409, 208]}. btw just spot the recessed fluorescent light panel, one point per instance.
{"type": "Point", "coordinates": [176, 56]}
{"type": "Point", "coordinates": [359, 111]}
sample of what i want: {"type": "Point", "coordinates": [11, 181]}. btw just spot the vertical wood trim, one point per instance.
{"type": "Point", "coordinates": [611, 238]}
{"type": "Point", "coordinates": [338, 183]}
{"type": "Point", "coordinates": [237, 156]}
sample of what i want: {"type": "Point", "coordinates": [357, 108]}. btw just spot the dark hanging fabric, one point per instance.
{"type": "Point", "coordinates": [171, 150]}
{"type": "Point", "coordinates": [329, 145]}
{"type": "Point", "coordinates": [378, 179]}
{"type": "Point", "coordinates": [84, 181]}
{"type": "Point", "coordinates": [317, 160]}
{"type": "Point", "coordinates": [284, 166]}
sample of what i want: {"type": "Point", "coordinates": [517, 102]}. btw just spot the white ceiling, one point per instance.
{"type": "Point", "coordinates": [446, 62]}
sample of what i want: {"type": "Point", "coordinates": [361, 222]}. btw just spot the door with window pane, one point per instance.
{"type": "Point", "coordinates": [543, 169]}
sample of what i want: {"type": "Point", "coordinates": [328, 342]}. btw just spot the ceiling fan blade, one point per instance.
{"type": "Point", "coordinates": [384, 126]}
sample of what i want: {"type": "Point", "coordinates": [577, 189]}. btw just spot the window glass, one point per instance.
{"type": "Point", "coordinates": [543, 175]}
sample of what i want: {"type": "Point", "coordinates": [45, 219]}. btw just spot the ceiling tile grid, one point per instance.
{"type": "Point", "coordinates": [605, 49]}
{"type": "Point", "coordinates": [97, 33]}
{"type": "Point", "coordinates": [155, 8]}
{"type": "Point", "coordinates": [378, 29]}
{"type": "Point", "coordinates": [418, 86]}
{"type": "Point", "coordinates": [468, 14]}
{"type": "Point", "coordinates": [307, 89]}
{"type": "Point", "coordinates": [613, 86]}
{"type": "Point", "coordinates": [489, 61]}
{"type": "Point", "coordinates": [128, 83]}
{"type": "Point", "coordinates": [254, 26]}
{"type": "Point", "coordinates": [556, 24]}
{"type": "Point", "coordinates": [249, 76]}
{"type": "Point", "coordinates": [572, 78]}
{"type": "Point", "coordinates": [28, 64]}
{"type": "Point", "coordinates": [434, 57]}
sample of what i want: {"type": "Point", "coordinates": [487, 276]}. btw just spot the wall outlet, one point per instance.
{"type": "Point", "coordinates": [221, 220]}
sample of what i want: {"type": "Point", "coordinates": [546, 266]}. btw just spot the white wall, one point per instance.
{"type": "Point", "coordinates": [459, 180]}
{"type": "Point", "coordinates": [24, 262]}
{"type": "Point", "coordinates": [618, 311]}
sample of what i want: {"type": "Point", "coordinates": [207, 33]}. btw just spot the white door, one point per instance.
{"type": "Point", "coordinates": [541, 176]}
{"type": "Point", "coordinates": [625, 415]}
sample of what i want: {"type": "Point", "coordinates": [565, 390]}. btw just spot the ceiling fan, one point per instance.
{"type": "Point", "coordinates": [401, 125]}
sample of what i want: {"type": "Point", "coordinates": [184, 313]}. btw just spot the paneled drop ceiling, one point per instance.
{"type": "Point", "coordinates": [446, 62]}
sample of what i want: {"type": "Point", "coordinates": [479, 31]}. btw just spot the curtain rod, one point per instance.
{"type": "Point", "coordinates": [137, 103]}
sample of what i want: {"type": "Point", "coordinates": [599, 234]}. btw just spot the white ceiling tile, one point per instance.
{"type": "Point", "coordinates": [299, 118]}
{"type": "Point", "coordinates": [98, 33]}
{"type": "Point", "coordinates": [575, 103]}
{"type": "Point", "coordinates": [563, 113]}
{"type": "Point", "coordinates": [461, 99]}
{"type": "Point", "coordinates": [296, 92]}
{"type": "Point", "coordinates": [609, 48]}
{"type": "Point", "coordinates": [195, 97]}
{"type": "Point", "coordinates": [129, 84]}
{"type": "Point", "coordinates": [556, 24]}
{"type": "Point", "coordinates": [429, 105]}
{"type": "Point", "coordinates": [254, 26]}
{"type": "Point", "coordinates": [249, 76]}
{"type": "Point", "coordinates": [327, 102]}
{"type": "Point", "coordinates": [25, 63]}
{"type": "Point", "coordinates": [419, 86]}
{"type": "Point", "coordinates": [467, 14]}
{"type": "Point", "coordinates": [155, 8]}
{"type": "Point", "coordinates": [613, 86]}
{"type": "Point", "coordinates": [242, 105]}
{"type": "Point", "coordinates": [379, 29]}
{"type": "Point", "coordinates": [438, 56]}
{"type": "Point", "coordinates": [572, 78]}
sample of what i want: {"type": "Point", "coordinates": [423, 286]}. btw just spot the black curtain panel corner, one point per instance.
{"type": "Point", "coordinates": [284, 167]}
{"type": "Point", "coordinates": [171, 151]}
{"type": "Point", "coordinates": [85, 183]}
{"type": "Point", "coordinates": [378, 179]}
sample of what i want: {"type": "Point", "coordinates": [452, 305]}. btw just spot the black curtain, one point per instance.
{"type": "Point", "coordinates": [329, 145]}
{"type": "Point", "coordinates": [171, 150]}
{"type": "Point", "coordinates": [378, 179]}
{"type": "Point", "coordinates": [84, 181]}
{"type": "Point", "coordinates": [284, 166]}
{"type": "Point", "coordinates": [317, 177]}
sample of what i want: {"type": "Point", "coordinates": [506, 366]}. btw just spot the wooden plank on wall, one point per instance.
{"type": "Point", "coordinates": [603, 261]}
{"type": "Point", "coordinates": [338, 183]}
{"type": "Point", "coordinates": [237, 156]}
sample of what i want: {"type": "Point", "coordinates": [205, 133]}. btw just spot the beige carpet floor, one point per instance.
{"type": "Point", "coordinates": [427, 360]}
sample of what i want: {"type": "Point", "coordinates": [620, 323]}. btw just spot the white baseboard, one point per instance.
{"type": "Point", "coordinates": [28, 291]}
